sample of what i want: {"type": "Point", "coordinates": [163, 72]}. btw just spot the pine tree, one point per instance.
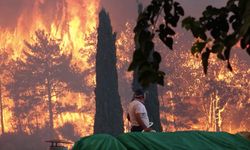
{"type": "Point", "coordinates": [43, 73]}
{"type": "Point", "coordinates": [108, 117]}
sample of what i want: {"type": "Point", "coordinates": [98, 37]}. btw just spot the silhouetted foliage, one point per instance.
{"type": "Point", "coordinates": [108, 117]}
{"type": "Point", "coordinates": [219, 29]}
{"type": "Point", "coordinates": [145, 58]}
{"type": "Point", "coordinates": [217, 21]}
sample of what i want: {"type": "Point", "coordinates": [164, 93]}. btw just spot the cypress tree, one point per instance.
{"type": "Point", "coordinates": [108, 117]}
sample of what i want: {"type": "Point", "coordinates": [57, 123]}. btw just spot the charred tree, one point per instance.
{"type": "Point", "coordinates": [108, 117]}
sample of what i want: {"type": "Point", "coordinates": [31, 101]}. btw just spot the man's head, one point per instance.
{"type": "Point", "coordinates": [139, 94]}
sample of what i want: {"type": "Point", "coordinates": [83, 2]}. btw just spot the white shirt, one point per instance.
{"type": "Point", "coordinates": [137, 107]}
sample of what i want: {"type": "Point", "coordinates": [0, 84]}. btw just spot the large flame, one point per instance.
{"type": "Point", "coordinates": [74, 22]}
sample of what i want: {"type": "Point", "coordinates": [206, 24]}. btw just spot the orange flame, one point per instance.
{"type": "Point", "coordinates": [74, 22]}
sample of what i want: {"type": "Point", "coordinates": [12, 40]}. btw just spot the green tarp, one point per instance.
{"type": "Point", "coordinates": [182, 140]}
{"type": "Point", "coordinates": [99, 142]}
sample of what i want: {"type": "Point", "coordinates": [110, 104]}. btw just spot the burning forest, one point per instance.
{"type": "Point", "coordinates": [49, 80]}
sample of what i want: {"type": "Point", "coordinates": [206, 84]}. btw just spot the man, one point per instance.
{"type": "Point", "coordinates": [137, 113]}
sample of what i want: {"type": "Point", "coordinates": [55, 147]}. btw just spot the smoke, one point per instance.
{"type": "Point", "coordinates": [10, 11]}
{"type": "Point", "coordinates": [26, 11]}
{"type": "Point", "coordinates": [14, 13]}
{"type": "Point", "coordinates": [52, 10]}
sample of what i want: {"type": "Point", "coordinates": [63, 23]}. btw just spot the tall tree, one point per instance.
{"type": "Point", "coordinates": [108, 117]}
{"type": "Point", "coordinates": [44, 73]}
{"type": "Point", "coordinates": [152, 102]}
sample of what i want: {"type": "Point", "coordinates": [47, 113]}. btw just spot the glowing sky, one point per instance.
{"type": "Point", "coordinates": [126, 10]}
{"type": "Point", "coordinates": [121, 11]}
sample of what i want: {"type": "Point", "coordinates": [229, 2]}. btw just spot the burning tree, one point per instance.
{"type": "Point", "coordinates": [42, 75]}
{"type": "Point", "coordinates": [108, 117]}
{"type": "Point", "coordinates": [191, 100]}
{"type": "Point", "coordinates": [3, 82]}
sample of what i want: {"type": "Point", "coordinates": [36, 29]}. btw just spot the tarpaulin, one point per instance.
{"type": "Point", "coordinates": [98, 142]}
{"type": "Point", "coordinates": [181, 140]}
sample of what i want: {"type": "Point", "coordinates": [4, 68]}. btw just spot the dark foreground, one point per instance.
{"type": "Point", "coordinates": [183, 140]}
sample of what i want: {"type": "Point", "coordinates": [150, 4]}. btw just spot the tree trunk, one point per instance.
{"type": "Point", "coordinates": [173, 115]}
{"type": "Point", "coordinates": [164, 112]}
{"type": "Point", "coordinates": [50, 105]}
{"type": "Point", "coordinates": [1, 108]}
{"type": "Point", "coordinates": [153, 107]}
{"type": "Point", "coordinates": [19, 126]}
{"type": "Point", "coordinates": [210, 119]}
{"type": "Point", "coordinates": [217, 114]}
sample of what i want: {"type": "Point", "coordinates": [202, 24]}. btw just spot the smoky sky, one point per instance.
{"type": "Point", "coordinates": [121, 11]}
{"type": "Point", "coordinates": [11, 10]}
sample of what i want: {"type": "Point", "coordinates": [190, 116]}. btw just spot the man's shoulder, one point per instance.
{"type": "Point", "coordinates": [136, 103]}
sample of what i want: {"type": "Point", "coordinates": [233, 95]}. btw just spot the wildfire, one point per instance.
{"type": "Point", "coordinates": [74, 23]}
{"type": "Point", "coordinates": [8, 115]}
{"type": "Point", "coordinates": [125, 45]}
